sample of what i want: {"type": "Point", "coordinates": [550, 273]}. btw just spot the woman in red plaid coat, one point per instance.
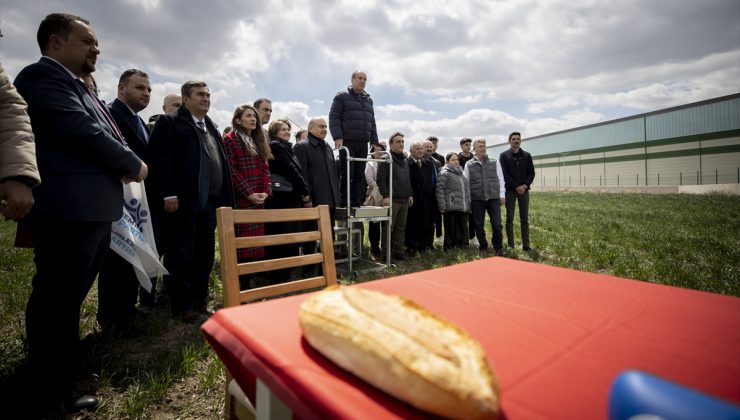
{"type": "Point", "coordinates": [247, 151]}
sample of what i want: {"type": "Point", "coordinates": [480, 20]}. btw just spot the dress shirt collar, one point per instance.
{"type": "Point", "coordinates": [72, 75]}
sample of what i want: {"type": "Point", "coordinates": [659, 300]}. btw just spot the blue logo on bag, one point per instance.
{"type": "Point", "coordinates": [137, 213]}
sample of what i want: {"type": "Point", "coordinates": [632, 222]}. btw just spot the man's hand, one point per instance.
{"type": "Point", "coordinates": [141, 176]}
{"type": "Point", "coordinates": [411, 201]}
{"type": "Point", "coordinates": [386, 202]}
{"type": "Point", "coordinates": [16, 199]}
{"type": "Point", "coordinates": [521, 189]}
{"type": "Point", "coordinates": [338, 143]}
{"type": "Point", "coordinates": [307, 204]}
{"type": "Point", "coordinates": [171, 205]}
{"type": "Point", "coordinates": [501, 202]}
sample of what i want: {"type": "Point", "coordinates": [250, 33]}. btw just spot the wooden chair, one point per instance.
{"type": "Point", "coordinates": [237, 404]}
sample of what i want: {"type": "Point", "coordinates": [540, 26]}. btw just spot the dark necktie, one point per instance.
{"type": "Point", "coordinates": [142, 130]}
{"type": "Point", "coordinates": [107, 119]}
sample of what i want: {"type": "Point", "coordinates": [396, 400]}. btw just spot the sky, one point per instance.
{"type": "Point", "coordinates": [451, 69]}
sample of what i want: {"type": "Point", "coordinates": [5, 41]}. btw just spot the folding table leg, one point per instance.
{"type": "Point", "coordinates": [269, 406]}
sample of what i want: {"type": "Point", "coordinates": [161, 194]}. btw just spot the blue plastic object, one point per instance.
{"type": "Point", "coordinates": [636, 394]}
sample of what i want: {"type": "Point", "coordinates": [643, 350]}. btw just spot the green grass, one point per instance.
{"type": "Point", "coordinates": [169, 371]}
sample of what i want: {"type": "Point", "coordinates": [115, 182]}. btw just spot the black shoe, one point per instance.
{"type": "Point", "coordinates": [499, 252]}
{"type": "Point", "coordinates": [399, 256]}
{"type": "Point", "coordinates": [84, 402]}
{"type": "Point", "coordinates": [526, 249]}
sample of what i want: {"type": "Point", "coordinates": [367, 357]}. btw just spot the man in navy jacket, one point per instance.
{"type": "Point", "coordinates": [352, 124]}
{"type": "Point", "coordinates": [82, 159]}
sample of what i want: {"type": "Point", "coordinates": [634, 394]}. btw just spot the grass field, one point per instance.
{"type": "Point", "coordinates": [169, 371]}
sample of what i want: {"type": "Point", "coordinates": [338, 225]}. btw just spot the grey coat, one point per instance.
{"type": "Point", "coordinates": [486, 179]}
{"type": "Point", "coordinates": [453, 190]}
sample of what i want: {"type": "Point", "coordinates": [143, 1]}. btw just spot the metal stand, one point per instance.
{"type": "Point", "coordinates": [345, 235]}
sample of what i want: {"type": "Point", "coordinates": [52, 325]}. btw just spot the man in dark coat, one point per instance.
{"type": "Point", "coordinates": [117, 282]}
{"type": "Point", "coordinates": [420, 216]}
{"type": "Point", "coordinates": [352, 124]}
{"type": "Point", "coordinates": [190, 179]}
{"type": "Point", "coordinates": [82, 158]}
{"type": "Point", "coordinates": [319, 167]}
{"type": "Point", "coordinates": [518, 169]}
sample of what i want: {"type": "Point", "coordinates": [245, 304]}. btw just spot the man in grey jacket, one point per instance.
{"type": "Point", "coordinates": [403, 196]}
{"type": "Point", "coordinates": [488, 195]}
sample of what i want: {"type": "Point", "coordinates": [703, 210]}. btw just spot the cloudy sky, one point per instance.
{"type": "Point", "coordinates": [452, 69]}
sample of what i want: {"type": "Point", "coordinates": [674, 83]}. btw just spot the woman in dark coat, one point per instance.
{"type": "Point", "coordinates": [284, 167]}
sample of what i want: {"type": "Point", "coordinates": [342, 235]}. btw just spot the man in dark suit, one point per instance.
{"type": "Point", "coordinates": [117, 282]}
{"type": "Point", "coordinates": [82, 158]}
{"type": "Point", "coordinates": [190, 179]}
{"type": "Point", "coordinates": [319, 166]}
{"type": "Point", "coordinates": [419, 220]}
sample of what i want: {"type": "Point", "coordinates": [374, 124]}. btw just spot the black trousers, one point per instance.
{"type": "Point", "coordinates": [357, 173]}
{"type": "Point", "coordinates": [117, 291]}
{"type": "Point", "coordinates": [456, 229]}
{"type": "Point", "coordinates": [282, 200]}
{"type": "Point", "coordinates": [68, 256]}
{"type": "Point", "coordinates": [189, 258]}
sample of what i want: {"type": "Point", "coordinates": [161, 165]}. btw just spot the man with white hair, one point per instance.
{"type": "Point", "coordinates": [488, 195]}
{"type": "Point", "coordinates": [420, 217]}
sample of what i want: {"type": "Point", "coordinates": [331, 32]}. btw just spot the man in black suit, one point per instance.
{"type": "Point", "coordinates": [419, 220]}
{"type": "Point", "coordinates": [83, 159]}
{"type": "Point", "coordinates": [190, 179]}
{"type": "Point", "coordinates": [117, 282]}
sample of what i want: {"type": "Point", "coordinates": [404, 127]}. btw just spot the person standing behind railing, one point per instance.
{"type": "Point", "coordinates": [373, 197]}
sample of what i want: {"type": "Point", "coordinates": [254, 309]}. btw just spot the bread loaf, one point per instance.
{"type": "Point", "coordinates": [399, 347]}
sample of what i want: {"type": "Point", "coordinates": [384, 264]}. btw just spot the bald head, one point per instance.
{"type": "Point", "coordinates": [317, 127]}
{"type": "Point", "coordinates": [171, 103]}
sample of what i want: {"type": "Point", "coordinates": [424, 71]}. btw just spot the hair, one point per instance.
{"type": "Point", "coordinates": [59, 24]}
{"type": "Point", "coordinates": [433, 139]}
{"type": "Point", "coordinates": [130, 72]}
{"type": "Point", "coordinates": [476, 141]}
{"type": "Point", "coordinates": [417, 143]}
{"type": "Point", "coordinates": [228, 130]}
{"type": "Point", "coordinates": [397, 133]}
{"type": "Point", "coordinates": [258, 135]}
{"type": "Point", "coordinates": [380, 145]}
{"type": "Point", "coordinates": [298, 134]}
{"type": "Point", "coordinates": [465, 140]}
{"type": "Point", "coordinates": [515, 133]}
{"type": "Point", "coordinates": [259, 101]}
{"type": "Point", "coordinates": [188, 87]}
{"type": "Point", "coordinates": [274, 127]}
{"type": "Point", "coordinates": [449, 155]}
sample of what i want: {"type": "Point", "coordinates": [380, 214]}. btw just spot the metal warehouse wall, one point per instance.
{"type": "Point", "coordinates": [694, 144]}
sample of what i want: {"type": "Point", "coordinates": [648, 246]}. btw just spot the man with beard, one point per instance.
{"type": "Point", "coordinates": [117, 283]}
{"type": "Point", "coordinates": [82, 158]}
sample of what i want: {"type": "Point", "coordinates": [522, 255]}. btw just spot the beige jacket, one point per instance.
{"type": "Point", "coordinates": [17, 148]}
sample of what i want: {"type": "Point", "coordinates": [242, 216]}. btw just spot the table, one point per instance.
{"type": "Point", "coordinates": [556, 337]}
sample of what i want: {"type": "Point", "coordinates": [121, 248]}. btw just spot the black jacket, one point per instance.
{"type": "Point", "coordinates": [319, 170]}
{"type": "Point", "coordinates": [401, 180]}
{"type": "Point", "coordinates": [352, 117]}
{"type": "Point", "coordinates": [127, 124]}
{"type": "Point", "coordinates": [287, 165]}
{"type": "Point", "coordinates": [518, 169]}
{"type": "Point", "coordinates": [81, 160]}
{"type": "Point", "coordinates": [175, 152]}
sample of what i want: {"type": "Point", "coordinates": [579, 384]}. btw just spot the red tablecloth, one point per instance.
{"type": "Point", "coordinates": [556, 338]}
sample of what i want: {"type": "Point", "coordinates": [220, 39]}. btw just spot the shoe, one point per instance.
{"type": "Point", "coordinates": [399, 256]}
{"type": "Point", "coordinates": [84, 402]}
{"type": "Point", "coordinates": [499, 252]}
{"type": "Point", "coordinates": [189, 315]}
{"type": "Point", "coordinates": [526, 249]}
{"type": "Point", "coordinates": [474, 243]}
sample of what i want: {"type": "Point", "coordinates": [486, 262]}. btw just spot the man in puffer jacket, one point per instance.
{"type": "Point", "coordinates": [453, 200]}
{"type": "Point", "coordinates": [352, 124]}
{"type": "Point", "coordinates": [487, 193]}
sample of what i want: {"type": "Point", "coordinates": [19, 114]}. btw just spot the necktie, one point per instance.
{"type": "Point", "coordinates": [142, 130]}
{"type": "Point", "coordinates": [107, 119]}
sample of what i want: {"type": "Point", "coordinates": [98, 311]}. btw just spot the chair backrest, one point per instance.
{"type": "Point", "coordinates": [229, 244]}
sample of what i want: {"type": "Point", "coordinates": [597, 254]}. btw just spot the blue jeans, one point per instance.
{"type": "Point", "coordinates": [492, 207]}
